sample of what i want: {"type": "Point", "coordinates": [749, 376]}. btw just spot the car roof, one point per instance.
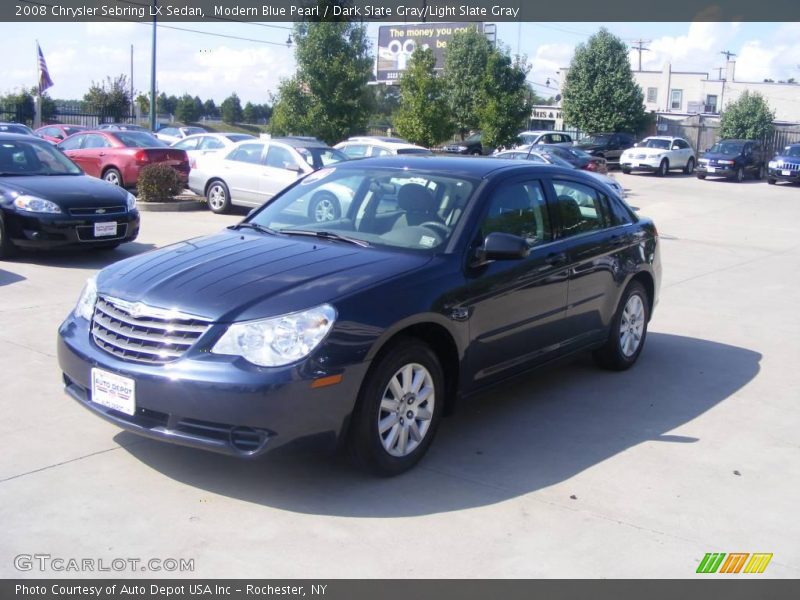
{"type": "Point", "coordinates": [385, 142]}
{"type": "Point", "coordinates": [20, 137]}
{"type": "Point", "coordinates": [378, 138]}
{"type": "Point", "coordinates": [664, 137]}
{"type": "Point", "coordinates": [299, 142]}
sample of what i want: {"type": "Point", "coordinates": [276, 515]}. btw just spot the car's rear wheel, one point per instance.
{"type": "Point", "coordinates": [219, 198]}
{"type": "Point", "coordinates": [771, 181]}
{"type": "Point", "coordinates": [7, 248]}
{"type": "Point", "coordinates": [689, 168]}
{"type": "Point", "coordinates": [701, 175]}
{"type": "Point", "coordinates": [399, 409]}
{"type": "Point", "coordinates": [663, 168]}
{"type": "Point", "coordinates": [113, 176]}
{"type": "Point", "coordinates": [324, 207]}
{"type": "Point", "coordinates": [626, 170]}
{"type": "Point", "coordinates": [628, 330]}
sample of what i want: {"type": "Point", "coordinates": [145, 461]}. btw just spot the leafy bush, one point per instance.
{"type": "Point", "coordinates": [158, 183]}
{"type": "Point", "coordinates": [749, 117]}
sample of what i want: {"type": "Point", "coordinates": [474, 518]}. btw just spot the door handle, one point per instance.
{"type": "Point", "coordinates": [101, 154]}
{"type": "Point", "coordinates": [556, 259]}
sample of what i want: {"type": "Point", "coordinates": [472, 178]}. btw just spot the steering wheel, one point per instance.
{"type": "Point", "coordinates": [440, 228]}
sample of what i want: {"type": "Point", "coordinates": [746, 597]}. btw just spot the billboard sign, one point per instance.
{"type": "Point", "coordinates": [396, 44]}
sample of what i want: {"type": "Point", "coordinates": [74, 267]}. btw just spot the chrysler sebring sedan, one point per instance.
{"type": "Point", "coordinates": [442, 277]}
{"type": "Point", "coordinates": [46, 201]}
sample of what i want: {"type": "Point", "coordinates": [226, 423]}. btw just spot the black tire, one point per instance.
{"type": "Point", "coordinates": [114, 177]}
{"type": "Point", "coordinates": [760, 172]}
{"type": "Point", "coordinates": [366, 444]}
{"type": "Point", "coordinates": [324, 207]}
{"type": "Point", "coordinates": [663, 168]}
{"type": "Point", "coordinates": [626, 170]}
{"type": "Point", "coordinates": [739, 177]}
{"type": "Point", "coordinates": [612, 356]}
{"type": "Point", "coordinates": [701, 175]}
{"type": "Point", "coordinates": [218, 197]}
{"type": "Point", "coordinates": [689, 168]}
{"type": "Point", "coordinates": [7, 248]}
{"type": "Point", "coordinates": [771, 181]}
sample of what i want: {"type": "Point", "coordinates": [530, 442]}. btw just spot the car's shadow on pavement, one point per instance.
{"type": "Point", "coordinates": [516, 439]}
{"type": "Point", "coordinates": [81, 258]}
{"type": "Point", "coordinates": [7, 278]}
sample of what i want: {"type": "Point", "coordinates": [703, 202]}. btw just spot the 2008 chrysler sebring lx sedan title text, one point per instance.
{"type": "Point", "coordinates": [442, 276]}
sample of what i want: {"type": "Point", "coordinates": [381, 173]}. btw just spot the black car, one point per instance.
{"type": "Point", "coordinates": [606, 145]}
{"type": "Point", "coordinates": [46, 201]}
{"type": "Point", "coordinates": [442, 277]}
{"type": "Point", "coordinates": [471, 145]}
{"type": "Point", "coordinates": [17, 128]}
{"type": "Point", "coordinates": [733, 159]}
{"type": "Point", "coordinates": [785, 166]}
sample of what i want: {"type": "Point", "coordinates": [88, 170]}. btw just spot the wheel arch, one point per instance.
{"type": "Point", "coordinates": [647, 281]}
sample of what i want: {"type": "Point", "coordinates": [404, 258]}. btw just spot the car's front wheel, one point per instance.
{"type": "Point", "coordinates": [771, 181]}
{"type": "Point", "coordinates": [219, 198]}
{"type": "Point", "coordinates": [663, 168]}
{"type": "Point", "coordinates": [399, 408]}
{"type": "Point", "coordinates": [628, 330]}
{"type": "Point", "coordinates": [739, 177]}
{"type": "Point", "coordinates": [626, 170]}
{"type": "Point", "coordinates": [689, 168]}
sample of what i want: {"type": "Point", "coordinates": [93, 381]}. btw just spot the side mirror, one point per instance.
{"type": "Point", "coordinates": [500, 246]}
{"type": "Point", "coordinates": [676, 147]}
{"type": "Point", "coordinates": [294, 168]}
{"type": "Point", "coordinates": [636, 145]}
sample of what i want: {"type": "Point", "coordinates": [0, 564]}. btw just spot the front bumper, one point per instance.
{"type": "Point", "coordinates": [640, 164]}
{"type": "Point", "coordinates": [32, 230]}
{"type": "Point", "coordinates": [784, 175]}
{"type": "Point", "coordinates": [217, 403]}
{"type": "Point", "coordinates": [715, 170]}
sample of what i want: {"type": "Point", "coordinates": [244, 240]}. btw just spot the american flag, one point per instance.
{"type": "Point", "coordinates": [44, 77]}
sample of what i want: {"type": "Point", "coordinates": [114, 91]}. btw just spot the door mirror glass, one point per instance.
{"type": "Point", "coordinates": [501, 246]}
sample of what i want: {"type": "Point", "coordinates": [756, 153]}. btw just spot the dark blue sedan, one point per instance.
{"type": "Point", "coordinates": [442, 276]}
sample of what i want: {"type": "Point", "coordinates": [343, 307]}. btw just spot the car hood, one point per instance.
{"type": "Point", "coordinates": [783, 158]}
{"type": "Point", "coordinates": [242, 275]}
{"type": "Point", "coordinates": [68, 191]}
{"type": "Point", "coordinates": [589, 147]}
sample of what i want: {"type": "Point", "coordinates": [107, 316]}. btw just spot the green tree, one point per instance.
{"type": "Point", "coordinates": [231, 109]}
{"type": "Point", "coordinates": [21, 103]}
{"type": "Point", "coordinates": [334, 65]}
{"type": "Point", "coordinates": [186, 110]}
{"type": "Point", "coordinates": [166, 105]}
{"type": "Point", "coordinates": [210, 109]}
{"type": "Point", "coordinates": [505, 105]}
{"type": "Point", "coordinates": [464, 73]}
{"type": "Point", "coordinates": [748, 117]}
{"type": "Point", "coordinates": [600, 93]}
{"type": "Point", "coordinates": [110, 98]}
{"type": "Point", "coordinates": [250, 114]}
{"type": "Point", "coordinates": [423, 117]}
{"type": "Point", "coordinates": [385, 103]}
{"type": "Point", "coordinates": [143, 102]}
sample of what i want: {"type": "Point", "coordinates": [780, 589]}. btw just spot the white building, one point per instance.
{"type": "Point", "coordinates": [690, 92]}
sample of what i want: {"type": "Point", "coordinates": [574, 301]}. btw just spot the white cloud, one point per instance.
{"type": "Point", "coordinates": [698, 50]}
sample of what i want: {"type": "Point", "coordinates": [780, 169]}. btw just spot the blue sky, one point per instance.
{"type": "Point", "coordinates": [213, 67]}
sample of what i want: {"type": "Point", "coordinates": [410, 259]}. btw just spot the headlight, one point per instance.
{"type": "Point", "coordinates": [130, 201]}
{"type": "Point", "coordinates": [773, 164]}
{"type": "Point", "coordinates": [36, 205]}
{"type": "Point", "coordinates": [461, 148]}
{"type": "Point", "coordinates": [279, 340]}
{"type": "Point", "coordinates": [86, 302]}
{"type": "Point", "coordinates": [725, 162]}
{"type": "Point", "coordinates": [703, 160]}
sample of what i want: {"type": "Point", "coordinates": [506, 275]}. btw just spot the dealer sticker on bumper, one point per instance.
{"type": "Point", "coordinates": [114, 391]}
{"type": "Point", "coordinates": [105, 229]}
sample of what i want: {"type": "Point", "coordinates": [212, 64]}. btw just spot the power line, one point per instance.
{"type": "Point", "coordinates": [727, 54]}
{"type": "Point", "coordinates": [639, 45]}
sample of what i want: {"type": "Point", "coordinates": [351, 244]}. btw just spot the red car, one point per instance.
{"type": "Point", "coordinates": [118, 156]}
{"type": "Point", "coordinates": [57, 133]}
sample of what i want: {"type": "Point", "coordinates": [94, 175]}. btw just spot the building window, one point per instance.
{"type": "Point", "coordinates": [676, 100]}
{"type": "Point", "coordinates": [652, 94]}
{"type": "Point", "coordinates": [711, 103]}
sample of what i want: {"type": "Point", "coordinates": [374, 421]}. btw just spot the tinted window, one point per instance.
{"type": "Point", "coordinates": [420, 151]}
{"type": "Point", "coordinates": [727, 147]}
{"type": "Point", "coordinates": [20, 157]}
{"type": "Point", "coordinates": [247, 153]}
{"type": "Point", "coordinates": [519, 209]}
{"type": "Point", "coordinates": [138, 139]}
{"type": "Point", "coordinates": [95, 140]}
{"type": "Point", "coordinates": [238, 137]}
{"type": "Point", "coordinates": [280, 157]}
{"type": "Point", "coordinates": [656, 143]}
{"type": "Point", "coordinates": [580, 208]}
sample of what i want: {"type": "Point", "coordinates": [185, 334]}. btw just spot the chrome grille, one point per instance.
{"type": "Point", "coordinates": [98, 210]}
{"type": "Point", "coordinates": [789, 166]}
{"type": "Point", "coordinates": [139, 333]}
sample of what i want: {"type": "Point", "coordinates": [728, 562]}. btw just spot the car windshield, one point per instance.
{"type": "Point", "coordinates": [566, 154]}
{"type": "Point", "coordinates": [475, 137]}
{"type": "Point", "coordinates": [656, 143]}
{"type": "Point", "coordinates": [727, 147]}
{"type": "Point", "coordinates": [597, 138]}
{"type": "Point", "coordinates": [529, 138]}
{"type": "Point", "coordinates": [139, 139]}
{"type": "Point", "coordinates": [73, 129]}
{"type": "Point", "coordinates": [793, 151]}
{"type": "Point", "coordinates": [396, 208]}
{"type": "Point", "coordinates": [193, 130]}
{"type": "Point", "coordinates": [19, 157]}
{"type": "Point", "coordinates": [321, 157]}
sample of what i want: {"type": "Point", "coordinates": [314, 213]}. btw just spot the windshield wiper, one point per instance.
{"type": "Point", "coordinates": [256, 226]}
{"type": "Point", "coordinates": [326, 235]}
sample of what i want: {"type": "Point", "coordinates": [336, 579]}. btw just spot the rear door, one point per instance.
{"type": "Point", "coordinates": [241, 170]}
{"type": "Point", "coordinates": [281, 167]}
{"type": "Point", "coordinates": [93, 153]}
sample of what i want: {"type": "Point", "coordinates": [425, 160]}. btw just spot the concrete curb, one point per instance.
{"type": "Point", "coordinates": [178, 205]}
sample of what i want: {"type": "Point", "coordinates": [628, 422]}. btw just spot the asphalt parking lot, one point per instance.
{"type": "Point", "coordinates": [574, 472]}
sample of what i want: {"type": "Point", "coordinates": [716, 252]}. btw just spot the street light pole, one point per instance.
{"type": "Point", "coordinates": [153, 74]}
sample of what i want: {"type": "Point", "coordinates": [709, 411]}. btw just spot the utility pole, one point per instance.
{"type": "Point", "coordinates": [727, 54]}
{"type": "Point", "coordinates": [639, 46]}
{"type": "Point", "coordinates": [132, 109]}
{"type": "Point", "coordinates": [153, 74]}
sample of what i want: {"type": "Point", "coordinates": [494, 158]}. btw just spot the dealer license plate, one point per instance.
{"type": "Point", "coordinates": [105, 229]}
{"type": "Point", "coordinates": [712, 169]}
{"type": "Point", "coordinates": [787, 173]}
{"type": "Point", "coordinates": [114, 391]}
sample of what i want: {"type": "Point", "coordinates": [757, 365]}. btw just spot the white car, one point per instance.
{"type": "Point", "coordinates": [175, 134]}
{"type": "Point", "coordinates": [206, 143]}
{"type": "Point", "coordinates": [659, 154]}
{"type": "Point", "coordinates": [532, 138]}
{"type": "Point", "coordinates": [253, 171]}
{"type": "Point", "coordinates": [364, 146]}
{"type": "Point", "coordinates": [549, 159]}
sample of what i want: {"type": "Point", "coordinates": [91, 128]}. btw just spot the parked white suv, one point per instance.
{"type": "Point", "coordinates": [659, 154]}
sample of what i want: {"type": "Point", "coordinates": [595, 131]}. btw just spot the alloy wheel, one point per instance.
{"type": "Point", "coordinates": [406, 409]}
{"type": "Point", "coordinates": [631, 326]}
{"type": "Point", "coordinates": [216, 197]}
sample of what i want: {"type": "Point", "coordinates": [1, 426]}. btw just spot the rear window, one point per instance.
{"type": "Point", "coordinates": [419, 151]}
{"type": "Point", "coordinates": [138, 139]}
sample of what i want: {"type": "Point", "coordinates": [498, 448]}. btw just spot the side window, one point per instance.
{"type": "Point", "coordinates": [72, 143]}
{"type": "Point", "coordinates": [519, 209]}
{"type": "Point", "coordinates": [187, 144]}
{"type": "Point", "coordinates": [169, 131]}
{"type": "Point", "coordinates": [556, 138]}
{"type": "Point", "coordinates": [210, 143]}
{"type": "Point", "coordinates": [280, 158]}
{"type": "Point", "coordinates": [247, 153]}
{"type": "Point", "coordinates": [580, 208]}
{"type": "Point", "coordinates": [377, 151]}
{"type": "Point", "coordinates": [95, 141]}
{"type": "Point", "coordinates": [356, 150]}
